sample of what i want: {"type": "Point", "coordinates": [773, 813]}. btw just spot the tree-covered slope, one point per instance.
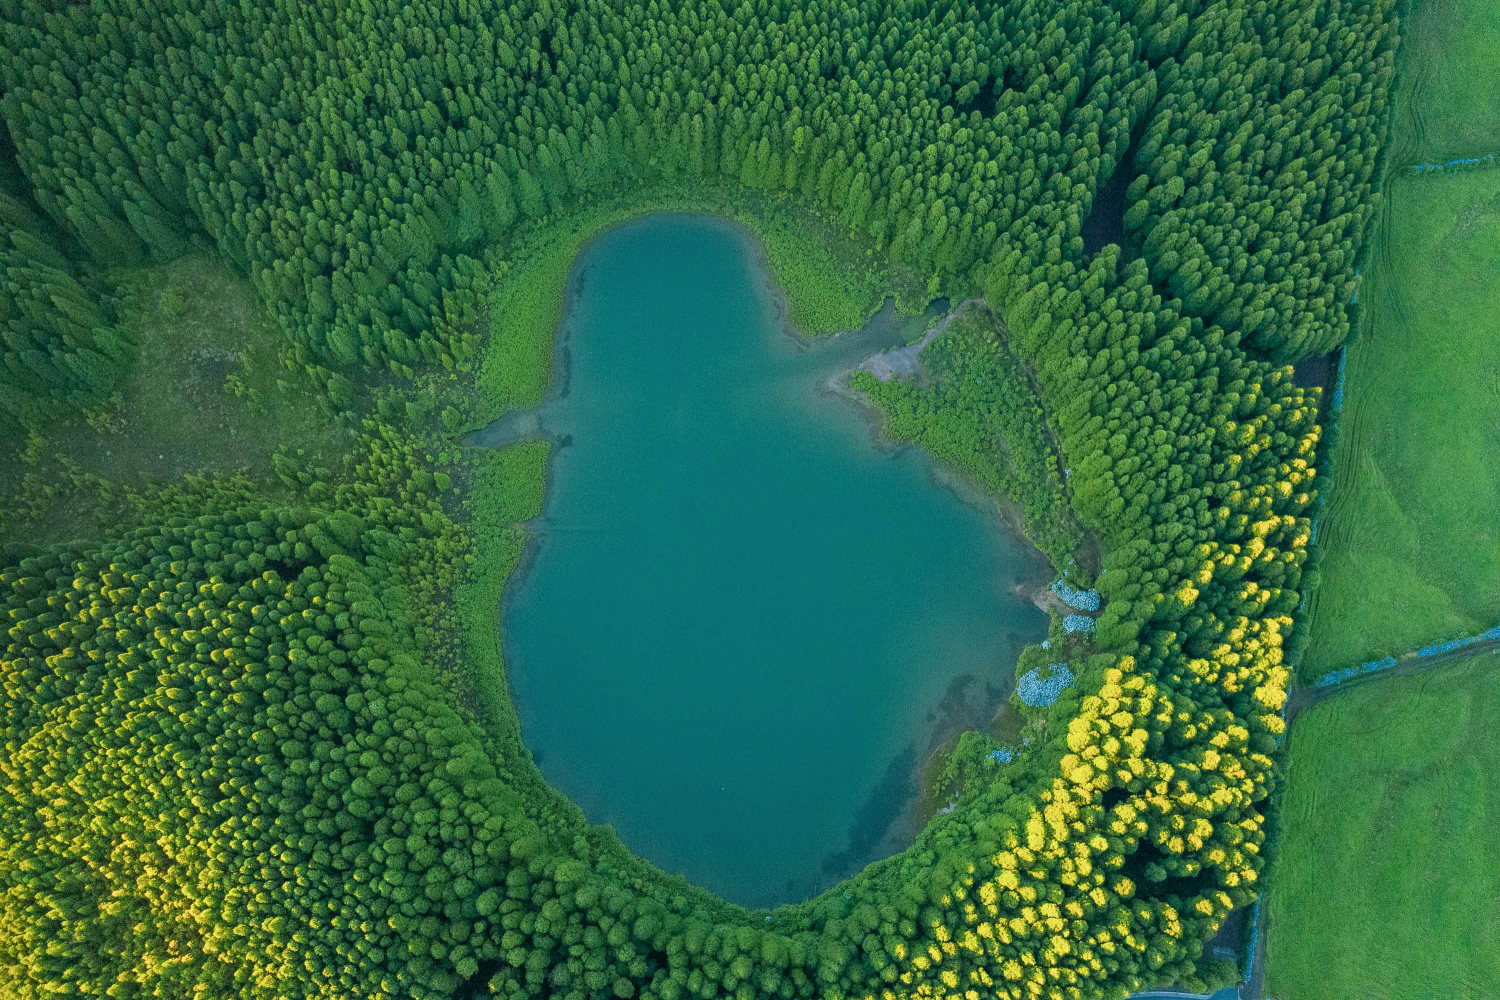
{"type": "Point", "coordinates": [358, 159]}
{"type": "Point", "coordinates": [200, 791]}
{"type": "Point", "coordinates": [214, 729]}
{"type": "Point", "coordinates": [60, 344]}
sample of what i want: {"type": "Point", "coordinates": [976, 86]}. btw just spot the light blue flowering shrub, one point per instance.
{"type": "Point", "coordinates": [1467, 163]}
{"type": "Point", "coordinates": [1037, 691]}
{"type": "Point", "coordinates": [1340, 676]}
{"type": "Point", "coordinates": [1079, 624]}
{"type": "Point", "coordinates": [1079, 600]}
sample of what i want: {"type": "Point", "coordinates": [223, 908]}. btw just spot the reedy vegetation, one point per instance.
{"type": "Point", "coordinates": [223, 741]}
{"type": "Point", "coordinates": [982, 416]}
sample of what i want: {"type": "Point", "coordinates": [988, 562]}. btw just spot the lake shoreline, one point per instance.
{"type": "Point", "coordinates": [1034, 586]}
{"type": "Point", "coordinates": [949, 717]}
{"type": "Point", "coordinates": [1035, 583]}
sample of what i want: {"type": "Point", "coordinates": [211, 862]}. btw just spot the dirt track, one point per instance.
{"type": "Point", "coordinates": [1407, 663]}
{"type": "Point", "coordinates": [903, 360]}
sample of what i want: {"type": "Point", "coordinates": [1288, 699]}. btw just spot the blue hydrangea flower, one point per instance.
{"type": "Point", "coordinates": [1079, 600]}
{"type": "Point", "coordinates": [1340, 676]}
{"type": "Point", "coordinates": [1037, 692]}
{"type": "Point", "coordinates": [1082, 624]}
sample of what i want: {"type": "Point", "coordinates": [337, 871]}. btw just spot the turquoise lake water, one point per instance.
{"type": "Point", "coordinates": [744, 625]}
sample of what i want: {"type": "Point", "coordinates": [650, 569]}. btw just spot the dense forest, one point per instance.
{"type": "Point", "coordinates": [240, 757]}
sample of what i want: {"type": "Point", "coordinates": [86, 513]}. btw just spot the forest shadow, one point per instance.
{"type": "Point", "coordinates": [1105, 223]}
{"type": "Point", "coordinates": [1313, 372]}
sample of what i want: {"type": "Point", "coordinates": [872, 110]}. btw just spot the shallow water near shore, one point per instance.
{"type": "Point", "coordinates": [742, 615]}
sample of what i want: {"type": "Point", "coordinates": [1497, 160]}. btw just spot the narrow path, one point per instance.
{"type": "Point", "coordinates": [903, 360]}
{"type": "Point", "coordinates": [1409, 662]}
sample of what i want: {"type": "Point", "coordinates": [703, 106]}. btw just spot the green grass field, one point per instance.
{"type": "Point", "coordinates": [206, 393]}
{"type": "Point", "coordinates": [1412, 540]}
{"type": "Point", "coordinates": [1385, 885]}
{"type": "Point", "coordinates": [1449, 98]}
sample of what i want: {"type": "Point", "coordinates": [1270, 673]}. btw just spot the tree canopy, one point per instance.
{"type": "Point", "coordinates": [229, 766]}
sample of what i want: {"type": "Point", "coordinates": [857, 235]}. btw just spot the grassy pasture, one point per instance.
{"type": "Point", "coordinates": [1385, 884]}
{"type": "Point", "coordinates": [1448, 103]}
{"type": "Point", "coordinates": [1412, 537]}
